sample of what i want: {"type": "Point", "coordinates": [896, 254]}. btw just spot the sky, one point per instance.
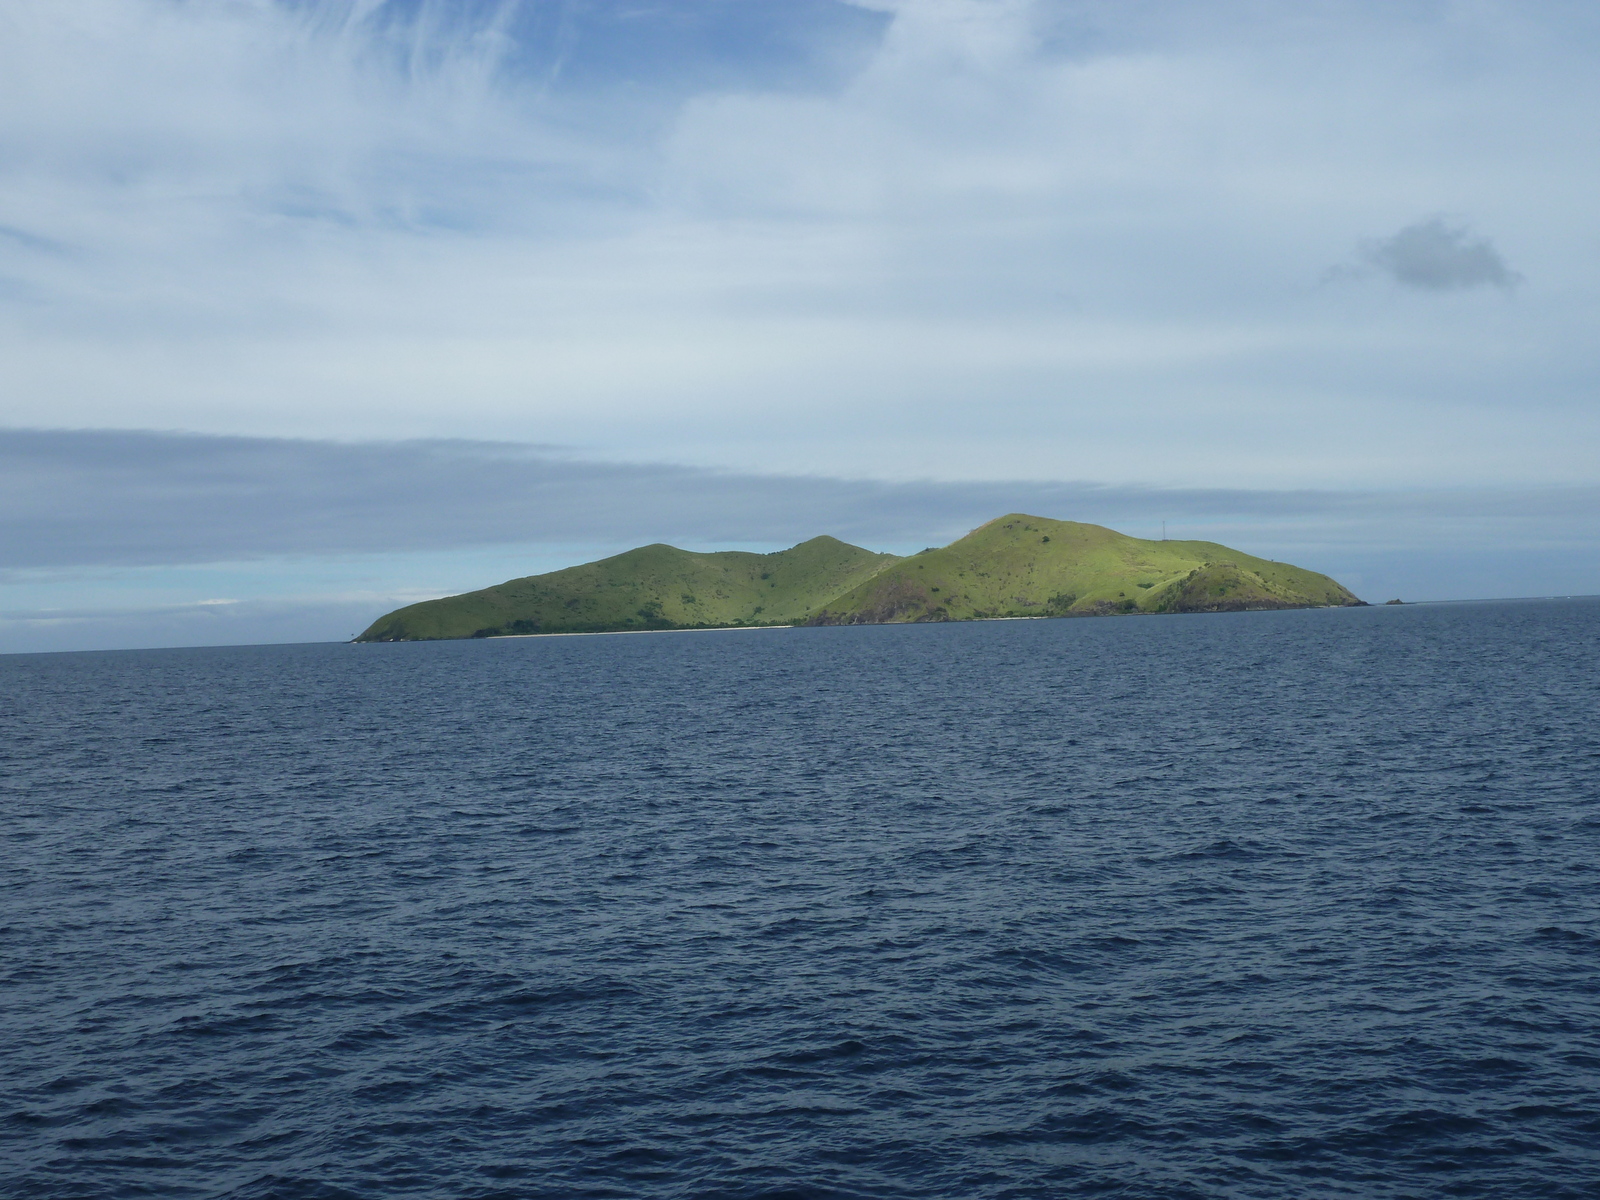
{"type": "Point", "coordinates": [309, 308]}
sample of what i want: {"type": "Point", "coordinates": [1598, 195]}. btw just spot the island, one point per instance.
{"type": "Point", "coordinates": [1013, 566]}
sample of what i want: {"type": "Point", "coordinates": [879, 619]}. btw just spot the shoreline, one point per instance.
{"type": "Point", "coordinates": [503, 637]}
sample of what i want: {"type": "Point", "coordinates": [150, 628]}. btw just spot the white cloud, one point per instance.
{"type": "Point", "coordinates": [1031, 240]}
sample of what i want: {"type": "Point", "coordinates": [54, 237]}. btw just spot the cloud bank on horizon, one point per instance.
{"type": "Point", "coordinates": [74, 500]}
{"type": "Point", "coordinates": [116, 538]}
{"type": "Point", "coordinates": [1329, 247]}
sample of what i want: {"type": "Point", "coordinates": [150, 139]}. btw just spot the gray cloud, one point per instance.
{"type": "Point", "coordinates": [1439, 257]}
{"type": "Point", "coordinates": [127, 498]}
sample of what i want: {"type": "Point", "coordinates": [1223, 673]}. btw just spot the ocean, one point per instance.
{"type": "Point", "coordinates": [1285, 904]}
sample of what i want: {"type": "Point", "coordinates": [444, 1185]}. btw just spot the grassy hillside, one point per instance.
{"type": "Point", "coordinates": [653, 587]}
{"type": "Point", "coordinates": [1022, 566]}
{"type": "Point", "coordinates": [1015, 566]}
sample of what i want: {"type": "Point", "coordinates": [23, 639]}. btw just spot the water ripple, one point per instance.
{"type": "Point", "coordinates": [1253, 905]}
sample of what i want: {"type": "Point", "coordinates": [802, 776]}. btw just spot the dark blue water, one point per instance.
{"type": "Point", "coordinates": [1299, 904]}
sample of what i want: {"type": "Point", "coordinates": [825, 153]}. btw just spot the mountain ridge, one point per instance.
{"type": "Point", "coordinates": [1013, 566]}
{"type": "Point", "coordinates": [651, 587]}
{"type": "Point", "coordinates": [1002, 569]}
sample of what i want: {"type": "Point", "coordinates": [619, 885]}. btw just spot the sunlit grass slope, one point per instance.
{"type": "Point", "coordinates": [1022, 566]}
{"type": "Point", "coordinates": [653, 587]}
{"type": "Point", "coordinates": [1015, 566]}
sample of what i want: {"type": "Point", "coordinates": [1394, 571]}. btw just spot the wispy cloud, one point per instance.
{"type": "Point", "coordinates": [986, 239]}
{"type": "Point", "coordinates": [54, 616]}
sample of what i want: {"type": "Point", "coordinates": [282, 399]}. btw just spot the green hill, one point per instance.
{"type": "Point", "coordinates": [1015, 566]}
{"type": "Point", "coordinates": [1022, 566]}
{"type": "Point", "coordinates": [653, 587]}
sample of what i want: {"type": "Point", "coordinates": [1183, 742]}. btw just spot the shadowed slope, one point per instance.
{"type": "Point", "coordinates": [653, 587]}
{"type": "Point", "coordinates": [1019, 565]}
